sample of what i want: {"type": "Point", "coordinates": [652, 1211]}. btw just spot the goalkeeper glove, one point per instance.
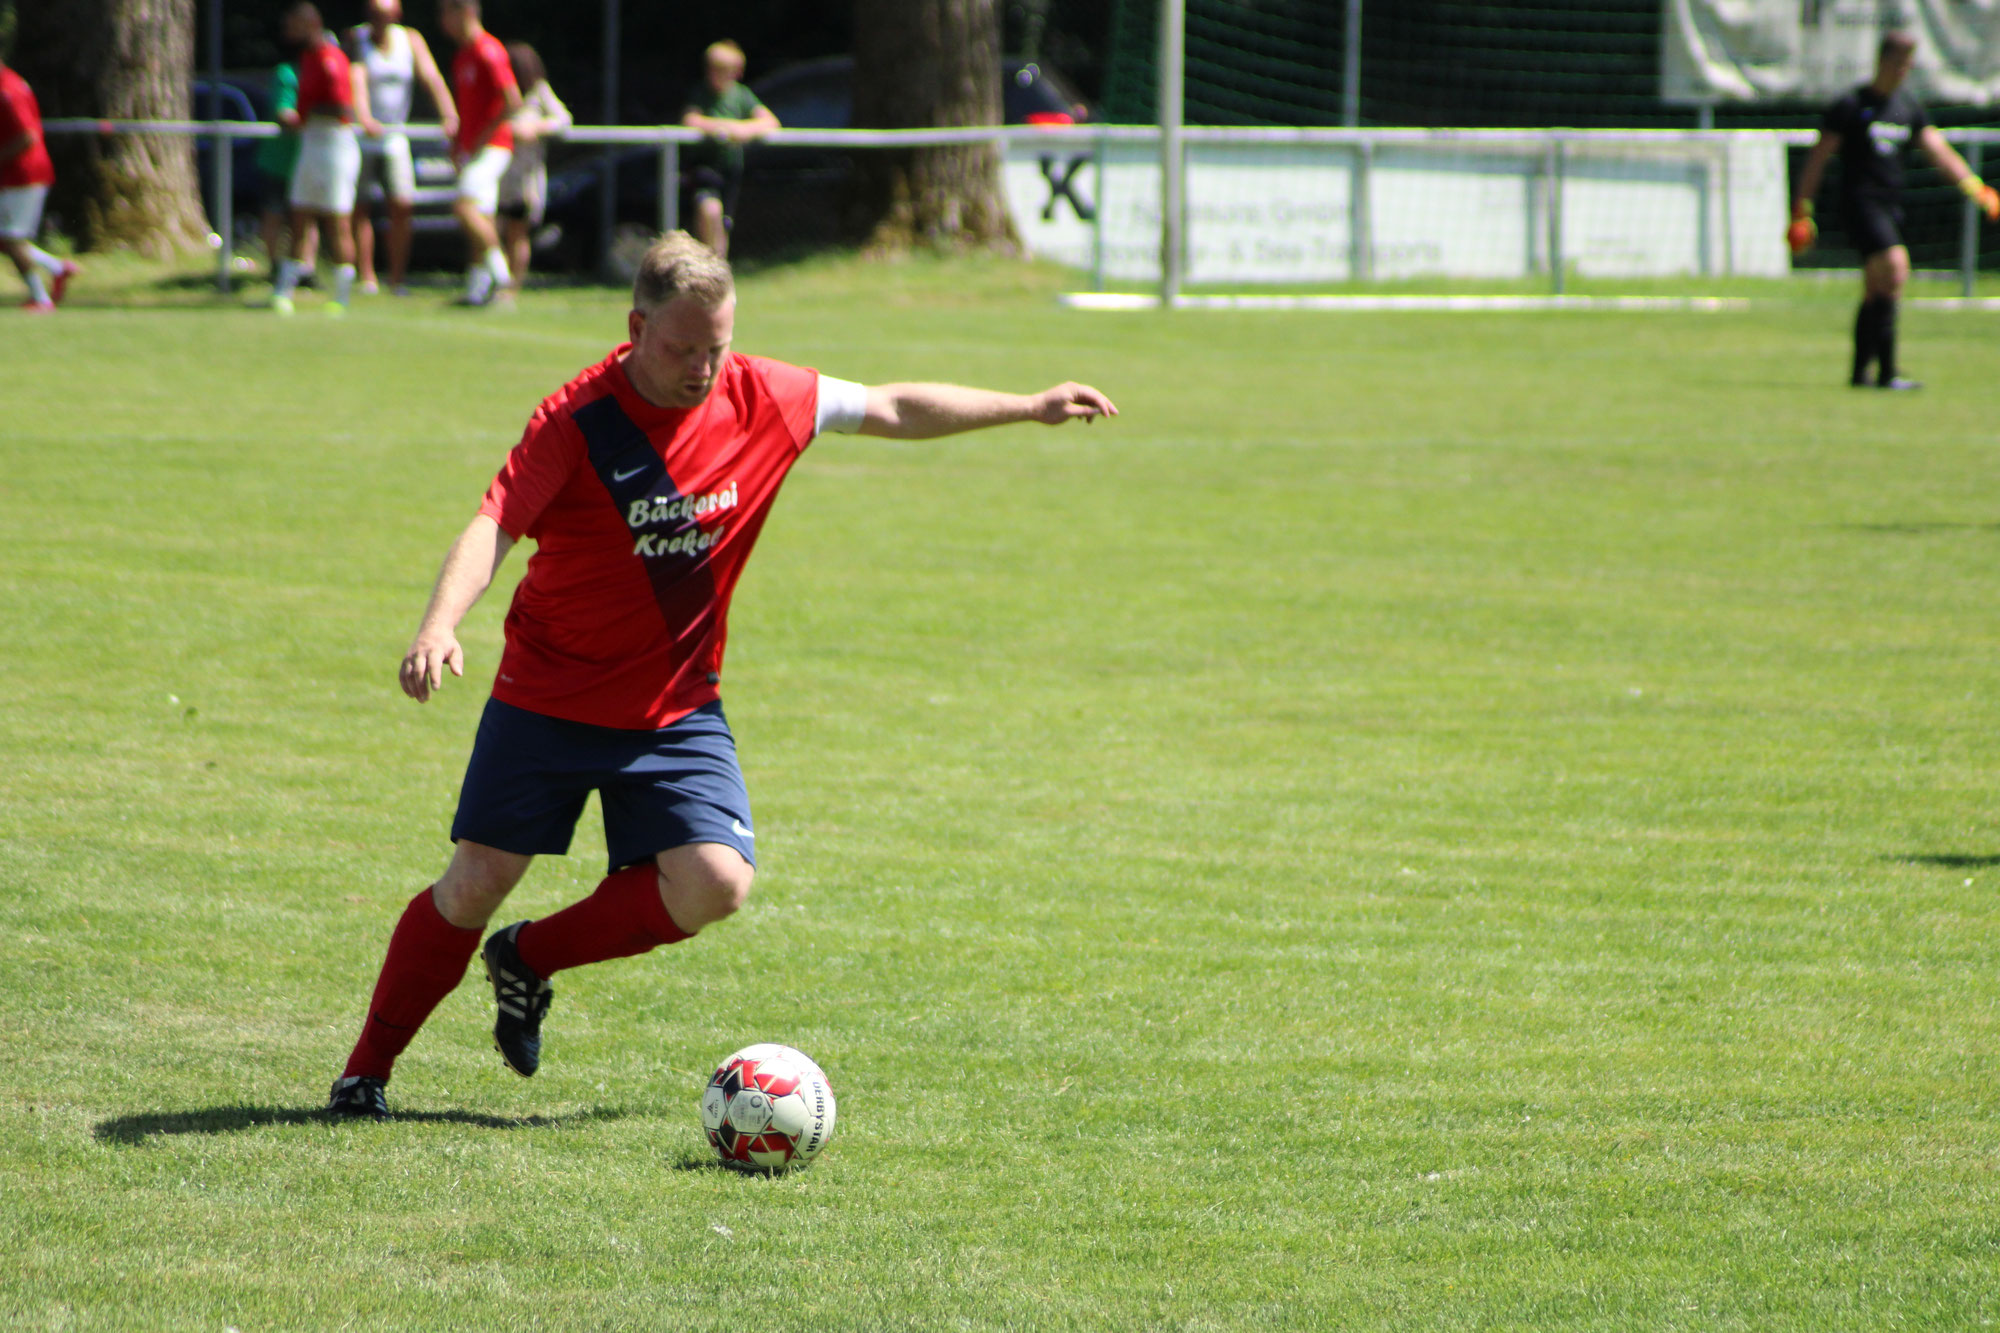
{"type": "Point", "coordinates": [1982, 194]}
{"type": "Point", "coordinates": [1803, 232]}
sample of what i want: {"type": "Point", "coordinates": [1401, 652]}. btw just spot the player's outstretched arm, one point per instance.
{"type": "Point", "coordinates": [927, 411]}
{"type": "Point", "coordinates": [468, 571]}
{"type": "Point", "coordinates": [357, 79]}
{"type": "Point", "coordinates": [1802, 231]}
{"type": "Point", "coordinates": [1947, 160]}
{"type": "Point", "coordinates": [433, 79]}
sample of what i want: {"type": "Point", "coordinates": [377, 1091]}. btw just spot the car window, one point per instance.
{"type": "Point", "coordinates": [235, 105]}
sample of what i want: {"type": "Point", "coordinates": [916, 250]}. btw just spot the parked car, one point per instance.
{"type": "Point", "coordinates": [819, 94]}
{"type": "Point", "coordinates": [245, 97]}
{"type": "Point", "coordinates": [791, 196]}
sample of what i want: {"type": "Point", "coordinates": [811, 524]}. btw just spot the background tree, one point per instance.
{"type": "Point", "coordinates": [921, 64]}
{"type": "Point", "coordinates": [116, 59]}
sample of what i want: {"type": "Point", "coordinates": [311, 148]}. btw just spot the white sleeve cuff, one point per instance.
{"type": "Point", "coordinates": [843, 406]}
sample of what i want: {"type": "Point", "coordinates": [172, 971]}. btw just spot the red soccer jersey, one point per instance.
{"type": "Point", "coordinates": [20, 114]}
{"type": "Point", "coordinates": [481, 74]}
{"type": "Point", "coordinates": [642, 517]}
{"type": "Point", "coordinates": [326, 86]}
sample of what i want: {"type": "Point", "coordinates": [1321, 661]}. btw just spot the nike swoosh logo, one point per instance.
{"type": "Point", "coordinates": [736, 827]}
{"type": "Point", "coordinates": [627, 476]}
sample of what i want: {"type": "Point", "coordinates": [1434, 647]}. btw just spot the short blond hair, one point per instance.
{"type": "Point", "coordinates": [725, 50]}
{"type": "Point", "coordinates": [678, 265]}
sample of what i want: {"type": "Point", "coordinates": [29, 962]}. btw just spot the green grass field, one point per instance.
{"type": "Point", "coordinates": [1425, 822]}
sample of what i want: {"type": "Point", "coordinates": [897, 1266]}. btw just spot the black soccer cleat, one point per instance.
{"type": "Point", "coordinates": [521, 998]}
{"type": "Point", "coordinates": [1898, 382]}
{"type": "Point", "coordinates": [358, 1098]}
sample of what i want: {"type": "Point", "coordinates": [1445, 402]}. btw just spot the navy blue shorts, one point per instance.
{"type": "Point", "coordinates": [530, 775]}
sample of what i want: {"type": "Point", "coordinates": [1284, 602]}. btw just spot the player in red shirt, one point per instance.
{"type": "Point", "coordinates": [482, 82]}
{"type": "Point", "coordinates": [644, 483]}
{"type": "Point", "coordinates": [333, 98]}
{"type": "Point", "coordinates": [25, 177]}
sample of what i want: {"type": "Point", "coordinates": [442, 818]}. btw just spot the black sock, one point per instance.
{"type": "Point", "coordinates": [1885, 337]}
{"type": "Point", "coordinates": [1865, 339]}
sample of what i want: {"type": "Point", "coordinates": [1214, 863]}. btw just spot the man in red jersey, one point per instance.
{"type": "Point", "coordinates": [482, 81]}
{"type": "Point", "coordinates": [25, 177]}
{"type": "Point", "coordinates": [333, 96]}
{"type": "Point", "coordinates": [644, 482]}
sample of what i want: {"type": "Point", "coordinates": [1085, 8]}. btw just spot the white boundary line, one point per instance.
{"type": "Point", "coordinates": [1145, 301]}
{"type": "Point", "coordinates": [1954, 302]}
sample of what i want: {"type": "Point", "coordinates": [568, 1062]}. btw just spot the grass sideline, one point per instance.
{"type": "Point", "coordinates": [1425, 822]}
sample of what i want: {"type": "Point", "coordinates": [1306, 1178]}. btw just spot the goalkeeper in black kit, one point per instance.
{"type": "Point", "coordinates": [1871, 129]}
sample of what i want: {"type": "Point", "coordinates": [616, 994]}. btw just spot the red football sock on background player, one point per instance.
{"type": "Point", "coordinates": [623, 917]}
{"type": "Point", "coordinates": [427, 959]}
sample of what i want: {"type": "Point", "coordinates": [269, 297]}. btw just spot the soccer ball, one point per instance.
{"type": "Point", "coordinates": [769, 1109]}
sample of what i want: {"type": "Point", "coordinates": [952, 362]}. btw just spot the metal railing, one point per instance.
{"type": "Point", "coordinates": [1083, 140]}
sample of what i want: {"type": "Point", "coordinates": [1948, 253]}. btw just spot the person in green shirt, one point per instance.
{"type": "Point", "coordinates": [275, 160]}
{"type": "Point", "coordinates": [731, 116]}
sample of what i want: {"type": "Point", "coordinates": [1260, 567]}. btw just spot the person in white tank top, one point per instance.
{"type": "Point", "coordinates": [397, 59]}
{"type": "Point", "coordinates": [524, 188]}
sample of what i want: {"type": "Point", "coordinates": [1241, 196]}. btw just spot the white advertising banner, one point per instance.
{"type": "Point", "coordinates": [1294, 213]}
{"type": "Point", "coordinates": [1814, 50]}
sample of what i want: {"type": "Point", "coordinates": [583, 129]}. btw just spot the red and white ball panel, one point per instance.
{"type": "Point", "coordinates": [768, 1108]}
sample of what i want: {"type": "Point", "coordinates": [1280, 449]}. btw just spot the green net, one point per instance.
{"type": "Point", "coordinates": [1473, 63]}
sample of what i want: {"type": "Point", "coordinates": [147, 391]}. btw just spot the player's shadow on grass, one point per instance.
{"type": "Point", "coordinates": [701, 1161]}
{"type": "Point", "coordinates": [234, 1119]}
{"type": "Point", "coordinates": [1949, 860]}
{"type": "Point", "coordinates": [693, 1161]}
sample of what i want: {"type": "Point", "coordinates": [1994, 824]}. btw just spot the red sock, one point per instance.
{"type": "Point", "coordinates": [623, 917]}
{"type": "Point", "coordinates": [427, 959]}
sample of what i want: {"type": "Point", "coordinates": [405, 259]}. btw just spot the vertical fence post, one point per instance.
{"type": "Point", "coordinates": [1097, 215]}
{"type": "Point", "coordinates": [1704, 228]}
{"type": "Point", "coordinates": [1968, 230]}
{"type": "Point", "coordinates": [1728, 211]}
{"type": "Point", "coordinates": [225, 209]}
{"type": "Point", "coordinates": [1361, 216]}
{"type": "Point", "coordinates": [607, 200]}
{"type": "Point", "coordinates": [1556, 152]}
{"type": "Point", "coordinates": [1173, 159]}
{"type": "Point", "coordinates": [1350, 74]}
{"type": "Point", "coordinates": [670, 186]}
{"type": "Point", "coordinates": [220, 173]}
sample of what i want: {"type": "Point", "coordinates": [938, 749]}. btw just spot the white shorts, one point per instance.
{"type": "Point", "coordinates": [329, 168]}
{"type": "Point", "coordinates": [524, 192]}
{"type": "Point", "coordinates": [386, 162]}
{"type": "Point", "coordinates": [479, 179]}
{"type": "Point", "coordinates": [21, 211]}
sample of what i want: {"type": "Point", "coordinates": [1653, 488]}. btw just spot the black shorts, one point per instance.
{"type": "Point", "coordinates": [1873, 225]}
{"type": "Point", "coordinates": [529, 776]}
{"type": "Point", "coordinates": [709, 183]}
{"type": "Point", "coordinates": [274, 192]}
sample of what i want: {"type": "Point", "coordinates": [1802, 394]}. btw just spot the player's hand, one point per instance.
{"type": "Point", "coordinates": [1989, 203]}
{"type": "Point", "coordinates": [371, 126]}
{"type": "Point", "coordinates": [449, 124]}
{"type": "Point", "coordinates": [425, 664]}
{"type": "Point", "coordinates": [1801, 234]}
{"type": "Point", "coordinates": [1070, 402]}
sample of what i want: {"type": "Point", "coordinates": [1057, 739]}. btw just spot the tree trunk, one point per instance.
{"type": "Point", "coordinates": [923, 64]}
{"type": "Point", "coordinates": [117, 60]}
